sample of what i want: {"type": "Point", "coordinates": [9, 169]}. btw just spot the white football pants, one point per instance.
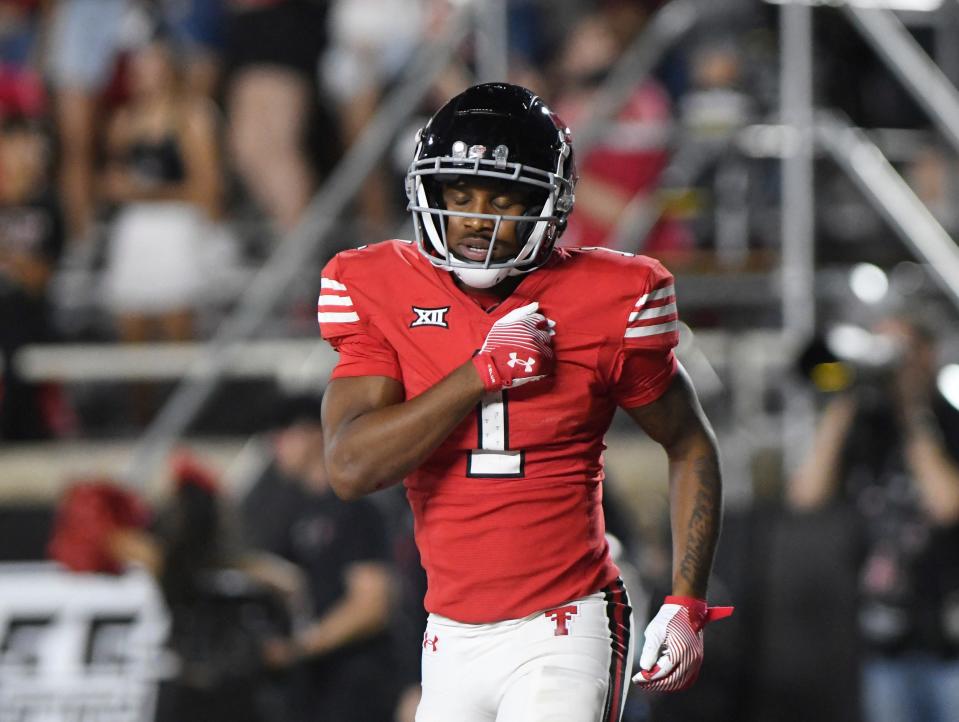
{"type": "Point", "coordinates": [567, 664]}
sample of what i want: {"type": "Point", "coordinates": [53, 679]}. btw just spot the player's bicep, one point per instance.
{"type": "Point", "coordinates": [349, 398]}
{"type": "Point", "coordinates": [675, 416]}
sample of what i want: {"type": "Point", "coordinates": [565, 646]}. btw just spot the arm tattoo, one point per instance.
{"type": "Point", "coordinates": [676, 422]}
{"type": "Point", "coordinates": [702, 532]}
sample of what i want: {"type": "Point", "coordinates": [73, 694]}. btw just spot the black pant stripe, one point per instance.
{"type": "Point", "coordinates": [619, 613]}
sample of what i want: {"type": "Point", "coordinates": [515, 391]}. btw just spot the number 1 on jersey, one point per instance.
{"type": "Point", "coordinates": [494, 459]}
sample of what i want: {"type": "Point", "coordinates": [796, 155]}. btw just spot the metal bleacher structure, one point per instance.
{"type": "Point", "coordinates": [740, 368]}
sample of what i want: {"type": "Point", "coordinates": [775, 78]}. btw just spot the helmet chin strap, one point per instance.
{"type": "Point", "coordinates": [481, 277]}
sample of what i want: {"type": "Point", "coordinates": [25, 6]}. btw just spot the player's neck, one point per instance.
{"type": "Point", "coordinates": [492, 296]}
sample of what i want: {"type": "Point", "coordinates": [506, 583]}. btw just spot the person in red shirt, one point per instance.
{"type": "Point", "coordinates": [482, 366]}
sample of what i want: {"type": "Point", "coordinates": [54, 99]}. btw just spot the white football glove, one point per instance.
{"type": "Point", "coordinates": [673, 650]}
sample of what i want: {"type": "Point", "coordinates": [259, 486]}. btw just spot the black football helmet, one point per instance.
{"type": "Point", "coordinates": [495, 131]}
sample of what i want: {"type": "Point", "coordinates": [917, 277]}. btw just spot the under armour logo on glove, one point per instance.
{"type": "Point", "coordinates": [517, 343]}
{"type": "Point", "coordinates": [673, 650]}
{"type": "Point", "coordinates": [527, 363]}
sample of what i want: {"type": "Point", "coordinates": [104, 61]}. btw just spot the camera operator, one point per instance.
{"type": "Point", "coordinates": [888, 448]}
{"type": "Point", "coordinates": [338, 665]}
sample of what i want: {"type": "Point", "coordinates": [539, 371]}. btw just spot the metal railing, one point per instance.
{"type": "Point", "coordinates": [662, 32]}
{"type": "Point", "coordinates": [919, 74]}
{"type": "Point", "coordinates": [862, 160]}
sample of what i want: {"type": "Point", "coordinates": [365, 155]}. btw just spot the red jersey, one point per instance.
{"type": "Point", "coordinates": [507, 510]}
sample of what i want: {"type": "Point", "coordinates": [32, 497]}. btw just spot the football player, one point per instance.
{"type": "Point", "coordinates": [481, 366]}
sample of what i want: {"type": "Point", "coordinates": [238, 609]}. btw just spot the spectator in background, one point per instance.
{"type": "Point", "coordinates": [889, 449]}
{"type": "Point", "coordinates": [21, 86]}
{"type": "Point", "coordinates": [625, 164]}
{"type": "Point", "coordinates": [197, 27]}
{"type": "Point", "coordinates": [934, 177]}
{"type": "Point", "coordinates": [31, 240]}
{"type": "Point", "coordinates": [273, 105]}
{"type": "Point", "coordinates": [409, 615]}
{"type": "Point", "coordinates": [340, 661]}
{"type": "Point", "coordinates": [223, 602]}
{"type": "Point", "coordinates": [370, 41]}
{"type": "Point", "coordinates": [711, 113]}
{"type": "Point", "coordinates": [163, 177]}
{"type": "Point", "coordinates": [84, 45]}
{"type": "Point", "coordinates": [716, 105]}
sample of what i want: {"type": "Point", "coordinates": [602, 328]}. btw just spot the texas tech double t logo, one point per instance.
{"type": "Point", "coordinates": [561, 617]}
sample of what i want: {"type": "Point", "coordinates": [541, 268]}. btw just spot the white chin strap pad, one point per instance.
{"type": "Point", "coordinates": [480, 277]}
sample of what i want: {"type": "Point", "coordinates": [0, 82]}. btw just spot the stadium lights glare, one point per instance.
{"type": "Point", "coordinates": [948, 383]}
{"type": "Point", "coordinates": [856, 345]}
{"type": "Point", "coordinates": [910, 5]}
{"type": "Point", "coordinates": [868, 282]}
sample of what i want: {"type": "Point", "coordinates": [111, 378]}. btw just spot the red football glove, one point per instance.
{"type": "Point", "coordinates": [517, 350]}
{"type": "Point", "coordinates": [673, 651]}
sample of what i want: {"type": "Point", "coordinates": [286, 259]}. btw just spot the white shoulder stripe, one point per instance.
{"type": "Point", "coordinates": [661, 328]}
{"type": "Point", "coordinates": [337, 317]}
{"type": "Point", "coordinates": [335, 301]}
{"type": "Point", "coordinates": [654, 312]}
{"type": "Point", "coordinates": [331, 284]}
{"type": "Point", "coordinates": [657, 294]}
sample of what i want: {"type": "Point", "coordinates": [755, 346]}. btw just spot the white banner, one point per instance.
{"type": "Point", "coordinates": [79, 646]}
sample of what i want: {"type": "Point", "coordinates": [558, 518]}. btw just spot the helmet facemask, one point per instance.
{"type": "Point", "coordinates": [536, 230]}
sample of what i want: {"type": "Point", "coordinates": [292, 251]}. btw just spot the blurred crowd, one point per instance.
{"type": "Point", "coordinates": [153, 152]}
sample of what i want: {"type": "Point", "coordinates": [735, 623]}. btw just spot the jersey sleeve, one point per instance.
{"type": "Point", "coordinates": [364, 351]}
{"type": "Point", "coordinates": [645, 363]}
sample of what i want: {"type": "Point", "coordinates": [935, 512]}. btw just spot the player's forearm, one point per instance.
{"type": "Point", "coordinates": [381, 447]}
{"type": "Point", "coordinates": [936, 475]}
{"type": "Point", "coordinates": [130, 545]}
{"type": "Point", "coordinates": [815, 482]}
{"type": "Point", "coordinates": [32, 273]}
{"type": "Point", "coordinates": [347, 621]}
{"type": "Point", "coordinates": [696, 512]}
